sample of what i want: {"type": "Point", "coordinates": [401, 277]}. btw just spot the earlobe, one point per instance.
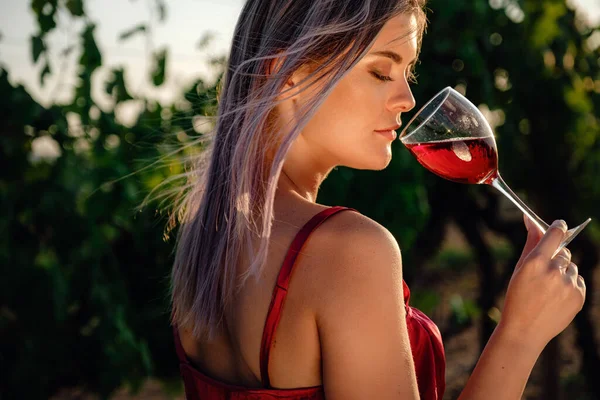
{"type": "Point", "coordinates": [273, 67]}
{"type": "Point", "coordinates": [294, 80]}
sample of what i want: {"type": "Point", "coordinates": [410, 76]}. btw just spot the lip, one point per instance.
{"type": "Point", "coordinates": [391, 128]}
{"type": "Point", "coordinates": [390, 134]}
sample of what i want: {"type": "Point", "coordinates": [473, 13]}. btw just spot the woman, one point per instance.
{"type": "Point", "coordinates": [277, 296]}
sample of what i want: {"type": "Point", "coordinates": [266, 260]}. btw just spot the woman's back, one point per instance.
{"type": "Point", "coordinates": [296, 356]}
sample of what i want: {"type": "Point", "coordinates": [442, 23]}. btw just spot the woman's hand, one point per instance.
{"type": "Point", "coordinates": [545, 293]}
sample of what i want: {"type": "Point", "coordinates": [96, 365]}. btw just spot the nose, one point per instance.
{"type": "Point", "coordinates": [402, 99]}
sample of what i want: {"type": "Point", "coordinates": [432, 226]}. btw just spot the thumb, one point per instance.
{"type": "Point", "coordinates": [534, 234]}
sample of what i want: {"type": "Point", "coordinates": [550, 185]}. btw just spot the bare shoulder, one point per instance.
{"type": "Point", "coordinates": [354, 225]}
{"type": "Point", "coordinates": [360, 312]}
{"type": "Point", "coordinates": [352, 243]}
{"type": "Point", "coordinates": [356, 255]}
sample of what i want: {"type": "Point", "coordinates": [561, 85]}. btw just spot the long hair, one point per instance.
{"type": "Point", "coordinates": [227, 213]}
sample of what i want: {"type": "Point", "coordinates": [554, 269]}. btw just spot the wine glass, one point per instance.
{"type": "Point", "coordinates": [450, 137]}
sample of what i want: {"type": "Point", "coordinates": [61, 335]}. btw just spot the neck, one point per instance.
{"type": "Point", "coordinates": [306, 187]}
{"type": "Point", "coordinates": [303, 171]}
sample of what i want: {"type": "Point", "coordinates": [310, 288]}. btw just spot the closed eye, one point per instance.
{"type": "Point", "coordinates": [383, 78]}
{"type": "Point", "coordinates": [410, 74]}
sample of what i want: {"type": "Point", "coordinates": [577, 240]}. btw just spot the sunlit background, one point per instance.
{"type": "Point", "coordinates": [186, 24]}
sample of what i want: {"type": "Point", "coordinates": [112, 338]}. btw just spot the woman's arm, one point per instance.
{"type": "Point", "coordinates": [544, 295]}
{"type": "Point", "coordinates": [503, 368]}
{"type": "Point", "coordinates": [361, 318]}
{"type": "Point", "coordinates": [362, 323]}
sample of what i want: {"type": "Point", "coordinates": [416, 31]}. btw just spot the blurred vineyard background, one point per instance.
{"type": "Point", "coordinates": [84, 271]}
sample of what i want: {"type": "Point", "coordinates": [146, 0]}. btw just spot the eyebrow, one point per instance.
{"type": "Point", "coordinates": [395, 57]}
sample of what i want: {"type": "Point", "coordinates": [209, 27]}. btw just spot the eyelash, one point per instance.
{"type": "Point", "coordinates": [412, 77]}
{"type": "Point", "coordinates": [383, 78]}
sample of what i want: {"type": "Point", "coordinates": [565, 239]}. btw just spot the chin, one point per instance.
{"type": "Point", "coordinates": [374, 158]}
{"type": "Point", "coordinates": [382, 162]}
{"type": "Point", "coordinates": [373, 164]}
{"type": "Point", "coordinates": [383, 165]}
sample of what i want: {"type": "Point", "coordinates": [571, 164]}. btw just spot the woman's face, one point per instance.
{"type": "Point", "coordinates": [344, 129]}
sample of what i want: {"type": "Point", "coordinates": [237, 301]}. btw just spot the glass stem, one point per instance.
{"type": "Point", "coordinates": [503, 188]}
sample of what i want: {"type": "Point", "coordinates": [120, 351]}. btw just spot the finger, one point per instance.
{"type": "Point", "coordinates": [532, 226]}
{"type": "Point", "coordinates": [582, 288]}
{"type": "Point", "coordinates": [572, 272]}
{"type": "Point", "coordinates": [560, 262]}
{"type": "Point", "coordinates": [552, 239]}
{"type": "Point", "coordinates": [563, 256]}
{"type": "Point", "coordinates": [581, 283]}
{"type": "Point", "coordinates": [564, 252]}
{"type": "Point", "coordinates": [534, 234]}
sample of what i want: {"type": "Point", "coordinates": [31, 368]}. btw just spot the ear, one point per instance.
{"type": "Point", "coordinates": [273, 67]}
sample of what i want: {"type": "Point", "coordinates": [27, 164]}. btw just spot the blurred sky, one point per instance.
{"type": "Point", "coordinates": [187, 21]}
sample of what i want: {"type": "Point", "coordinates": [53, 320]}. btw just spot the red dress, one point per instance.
{"type": "Point", "coordinates": [425, 342]}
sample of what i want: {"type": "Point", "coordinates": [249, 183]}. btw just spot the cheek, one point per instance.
{"type": "Point", "coordinates": [349, 109]}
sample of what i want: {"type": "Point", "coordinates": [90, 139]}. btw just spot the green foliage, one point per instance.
{"type": "Point", "coordinates": [45, 72]}
{"type": "Point", "coordinates": [86, 283]}
{"type": "Point", "coordinates": [90, 57]}
{"type": "Point", "coordinates": [161, 8]}
{"type": "Point", "coordinates": [425, 300]}
{"type": "Point", "coordinates": [160, 65]}
{"type": "Point", "coordinates": [463, 311]}
{"type": "Point", "coordinates": [84, 292]}
{"type": "Point", "coordinates": [547, 29]}
{"type": "Point", "coordinates": [453, 259]}
{"type": "Point", "coordinates": [45, 10]}
{"type": "Point", "coordinates": [116, 87]}
{"type": "Point", "coordinates": [75, 7]}
{"type": "Point", "coordinates": [37, 47]}
{"type": "Point", "coordinates": [141, 28]}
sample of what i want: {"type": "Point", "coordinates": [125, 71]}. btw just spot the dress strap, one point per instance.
{"type": "Point", "coordinates": [179, 348]}
{"type": "Point", "coordinates": [281, 287]}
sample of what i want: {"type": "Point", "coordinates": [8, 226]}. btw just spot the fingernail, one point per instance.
{"type": "Point", "coordinates": [561, 224]}
{"type": "Point", "coordinates": [527, 223]}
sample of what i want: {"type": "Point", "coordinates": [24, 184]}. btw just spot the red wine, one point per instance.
{"type": "Point", "coordinates": [463, 160]}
